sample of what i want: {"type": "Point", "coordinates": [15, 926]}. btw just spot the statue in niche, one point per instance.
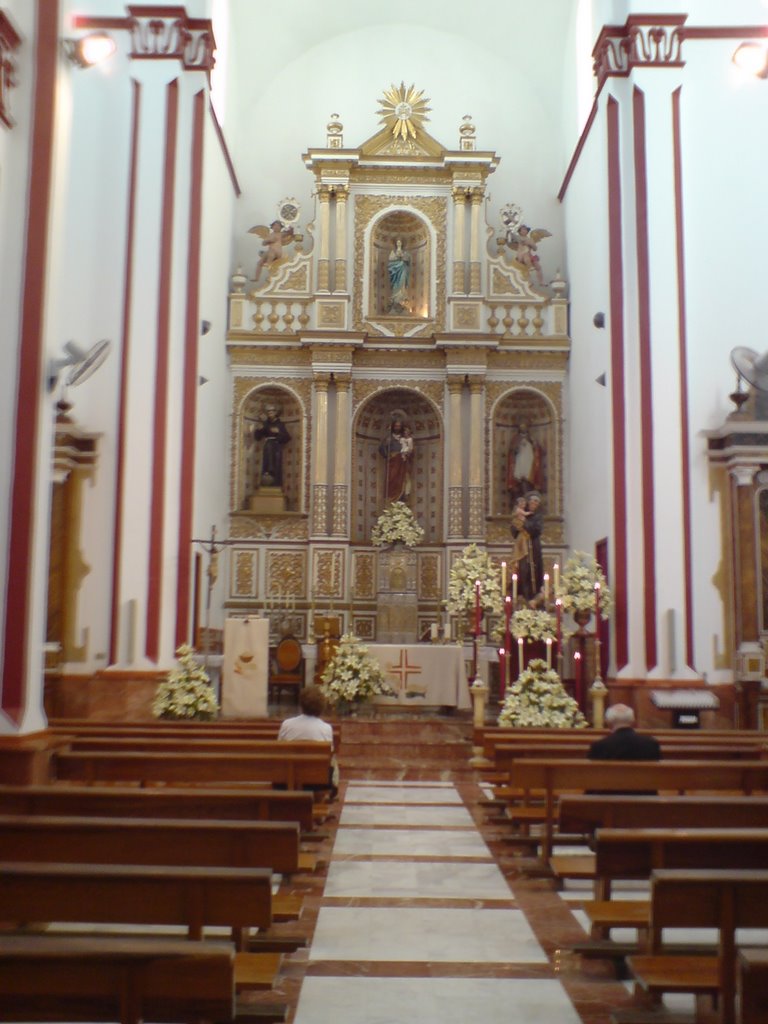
{"type": "Point", "coordinates": [274, 434]}
{"type": "Point", "coordinates": [399, 269]}
{"type": "Point", "coordinates": [398, 449]}
{"type": "Point", "coordinates": [525, 464]}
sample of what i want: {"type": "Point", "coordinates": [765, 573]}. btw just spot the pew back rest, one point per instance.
{"type": "Point", "coordinates": [635, 852]}
{"type": "Point", "coordinates": [586, 813]}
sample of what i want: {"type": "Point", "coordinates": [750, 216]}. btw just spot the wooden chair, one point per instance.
{"type": "Point", "coordinates": [287, 666]}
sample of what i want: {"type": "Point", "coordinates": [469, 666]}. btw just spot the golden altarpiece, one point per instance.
{"type": "Point", "coordinates": [465, 345]}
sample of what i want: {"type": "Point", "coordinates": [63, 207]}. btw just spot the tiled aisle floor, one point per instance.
{"type": "Point", "coordinates": [418, 922]}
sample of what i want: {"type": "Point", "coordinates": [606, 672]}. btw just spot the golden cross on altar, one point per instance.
{"type": "Point", "coordinates": [403, 669]}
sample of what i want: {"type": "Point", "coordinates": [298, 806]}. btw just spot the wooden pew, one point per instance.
{"type": "Point", "coordinates": [490, 736]}
{"type": "Point", "coordinates": [634, 853]}
{"type": "Point", "coordinates": [161, 802]}
{"type": "Point", "coordinates": [49, 978]}
{"type": "Point", "coordinates": [752, 985]}
{"type": "Point", "coordinates": [293, 771]}
{"type": "Point", "coordinates": [700, 898]}
{"type": "Point", "coordinates": [245, 844]}
{"type": "Point", "coordinates": [194, 744]}
{"type": "Point", "coordinates": [569, 775]}
{"type": "Point", "coordinates": [584, 814]}
{"type": "Point", "coordinates": [504, 754]}
{"type": "Point", "coordinates": [192, 897]}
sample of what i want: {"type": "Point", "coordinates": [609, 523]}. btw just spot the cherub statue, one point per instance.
{"type": "Point", "coordinates": [274, 238]}
{"type": "Point", "coordinates": [522, 240]}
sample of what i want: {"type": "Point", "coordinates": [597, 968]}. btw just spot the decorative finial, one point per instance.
{"type": "Point", "coordinates": [335, 139]}
{"type": "Point", "coordinates": [467, 140]}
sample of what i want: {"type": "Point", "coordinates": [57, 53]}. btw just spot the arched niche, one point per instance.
{"type": "Point", "coordinates": [371, 427]}
{"type": "Point", "coordinates": [413, 234]}
{"type": "Point", "coordinates": [252, 412]}
{"type": "Point", "coordinates": [525, 450]}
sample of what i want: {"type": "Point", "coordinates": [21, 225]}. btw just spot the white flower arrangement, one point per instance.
{"type": "Point", "coordinates": [397, 523]}
{"type": "Point", "coordinates": [577, 586]}
{"type": "Point", "coordinates": [352, 675]}
{"type": "Point", "coordinates": [532, 624]}
{"type": "Point", "coordinates": [186, 692]}
{"type": "Point", "coordinates": [538, 698]}
{"type": "Point", "coordinates": [473, 565]}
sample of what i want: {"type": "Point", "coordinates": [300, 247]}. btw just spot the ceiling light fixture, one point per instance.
{"type": "Point", "coordinates": [752, 58]}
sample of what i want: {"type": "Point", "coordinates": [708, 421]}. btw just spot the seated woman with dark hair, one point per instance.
{"type": "Point", "coordinates": [310, 726]}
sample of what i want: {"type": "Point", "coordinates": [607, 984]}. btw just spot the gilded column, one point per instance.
{"type": "Point", "coordinates": [455, 491]}
{"type": "Point", "coordinates": [320, 475]}
{"type": "Point", "coordinates": [746, 555]}
{"type": "Point", "coordinates": [474, 241]}
{"type": "Point", "coordinates": [323, 260]}
{"type": "Point", "coordinates": [341, 463]}
{"type": "Point", "coordinates": [340, 282]}
{"type": "Point", "coordinates": [459, 219]}
{"type": "Point", "coordinates": [476, 459]}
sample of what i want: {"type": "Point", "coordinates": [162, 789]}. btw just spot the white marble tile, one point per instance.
{"type": "Point", "coordinates": [382, 783]}
{"type": "Point", "coordinates": [392, 842]}
{"type": "Point", "coordinates": [417, 880]}
{"type": "Point", "coordinates": [433, 1001]}
{"type": "Point", "coordinates": [399, 814]}
{"type": "Point", "coordinates": [397, 794]}
{"type": "Point", "coordinates": [427, 934]}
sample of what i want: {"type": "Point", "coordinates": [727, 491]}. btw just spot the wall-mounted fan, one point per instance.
{"type": "Point", "coordinates": [83, 363]}
{"type": "Point", "coordinates": [751, 366]}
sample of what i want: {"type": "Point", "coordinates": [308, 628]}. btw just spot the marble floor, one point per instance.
{"type": "Point", "coordinates": [424, 914]}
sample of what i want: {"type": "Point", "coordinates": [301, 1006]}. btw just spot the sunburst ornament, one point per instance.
{"type": "Point", "coordinates": [403, 110]}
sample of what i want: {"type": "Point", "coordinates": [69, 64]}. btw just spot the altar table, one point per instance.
{"type": "Point", "coordinates": [429, 675]}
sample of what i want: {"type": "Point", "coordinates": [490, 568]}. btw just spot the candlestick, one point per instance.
{"type": "Point", "coordinates": [502, 671]}
{"type": "Point", "coordinates": [556, 571]}
{"type": "Point", "coordinates": [549, 652]}
{"type": "Point", "coordinates": [433, 632]}
{"type": "Point", "coordinates": [559, 625]}
{"type": "Point", "coordinates": [546, 587]}
{"type": "Point", "coordinates": [477, 607]}
{"type": "Point", "coordinates": [577, 670]}
{"type": "Point", "coordinates": [508, 633]}
{"type": "Point", "coordinates": [519, 655]}
{"type": "Point", "coordinates": [503, 580]}
{"type": "Point", "coordinates": [514, 588]}
{"type": "Point", "coordinates": [597, 602]}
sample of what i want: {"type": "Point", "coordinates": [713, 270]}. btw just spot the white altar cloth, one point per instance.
{"type": "Point", "coordinates": [244, 672]}
{"type": "Point", "coordinates": [431, 675]}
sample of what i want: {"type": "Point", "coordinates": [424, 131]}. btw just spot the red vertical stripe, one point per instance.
{"type": "Point", "coordinates": [646, 383]}
{"type": "Point", "coordinates": [22, 498]}
{"type": "Point", "coordinates": [619, 581]}
{"type": "Point", "coordinates": [189, 413]}
{"type": "Point", "coordinates": [683, 356]}
{"type": "Point", "coordinates": [160, 422]}
{"type": "Point", "coordinates": [122, 407]}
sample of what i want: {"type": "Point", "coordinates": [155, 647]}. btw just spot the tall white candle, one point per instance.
{"type": "Point", "coordinates": [556, 571]}
{"type": "Point", "coordinates": [503, 580]}
{"type": "Point", "coordinates": [546, 587]}
{"type": "Point", "coordinates": [514, 588]}
{"type": "Point", "coordinates": [549, 652]}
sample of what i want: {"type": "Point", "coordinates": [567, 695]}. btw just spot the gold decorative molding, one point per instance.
{"type": "Point", "coordinates": [429, 565]}
{"type": "Point", "coordinates": [431, 390]}
{"type": "Point", "coordinates": [286, 573]}
{"type": "Point", "coordinates": [247, 526]}
{"type": "Point", "coordinates": [328, 573]}
{"type": "Point", "coordinates": [244, 572]}
{"type": "Point", "coordinates": [364, 626]}
{"type": "Point", "coordinates": [242, 355]}
{"type": "Point", "coordinates": [330, 314]}
{"type": "Point", "coordinates": [364, 575]}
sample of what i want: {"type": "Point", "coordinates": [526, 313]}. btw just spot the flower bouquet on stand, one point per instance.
{"type": "Point", "coordinates": [583, 589]}
{"type": "Point", "coordinates": [187, 691]}
{"type": "Point", "coordinates": [352, 676]}
{"type": "Point", "coordinates": [472, 567]}
{"type": "Point", "coordinates": [397, 523]}
{"type": "Point", "coordinates": [538, 698]}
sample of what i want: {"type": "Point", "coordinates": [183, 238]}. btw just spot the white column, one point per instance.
{"type": "Point", "coordinates": [341, 464]}
{"type": "Point", "coordinates": [474, 241]}
{"type": "Point", "coordinates": [324, 240]}
{"type": "Point", "coordinates": [459, 219]}
{"type": "Point", "coordinates": [340, 281]}
{"type": "Point", "coordinates": [455, 490]}
{"type": "Point", "coordinates": [475, 491]}
{"type": "Point", "coordinates": [319, 526]}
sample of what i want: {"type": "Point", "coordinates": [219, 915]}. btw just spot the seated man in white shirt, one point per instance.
{"type": "Point", "coordinates": [310, 726]}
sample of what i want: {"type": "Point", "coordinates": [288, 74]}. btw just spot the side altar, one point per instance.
{"type": "Point", "coordinates": [396, 337]}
